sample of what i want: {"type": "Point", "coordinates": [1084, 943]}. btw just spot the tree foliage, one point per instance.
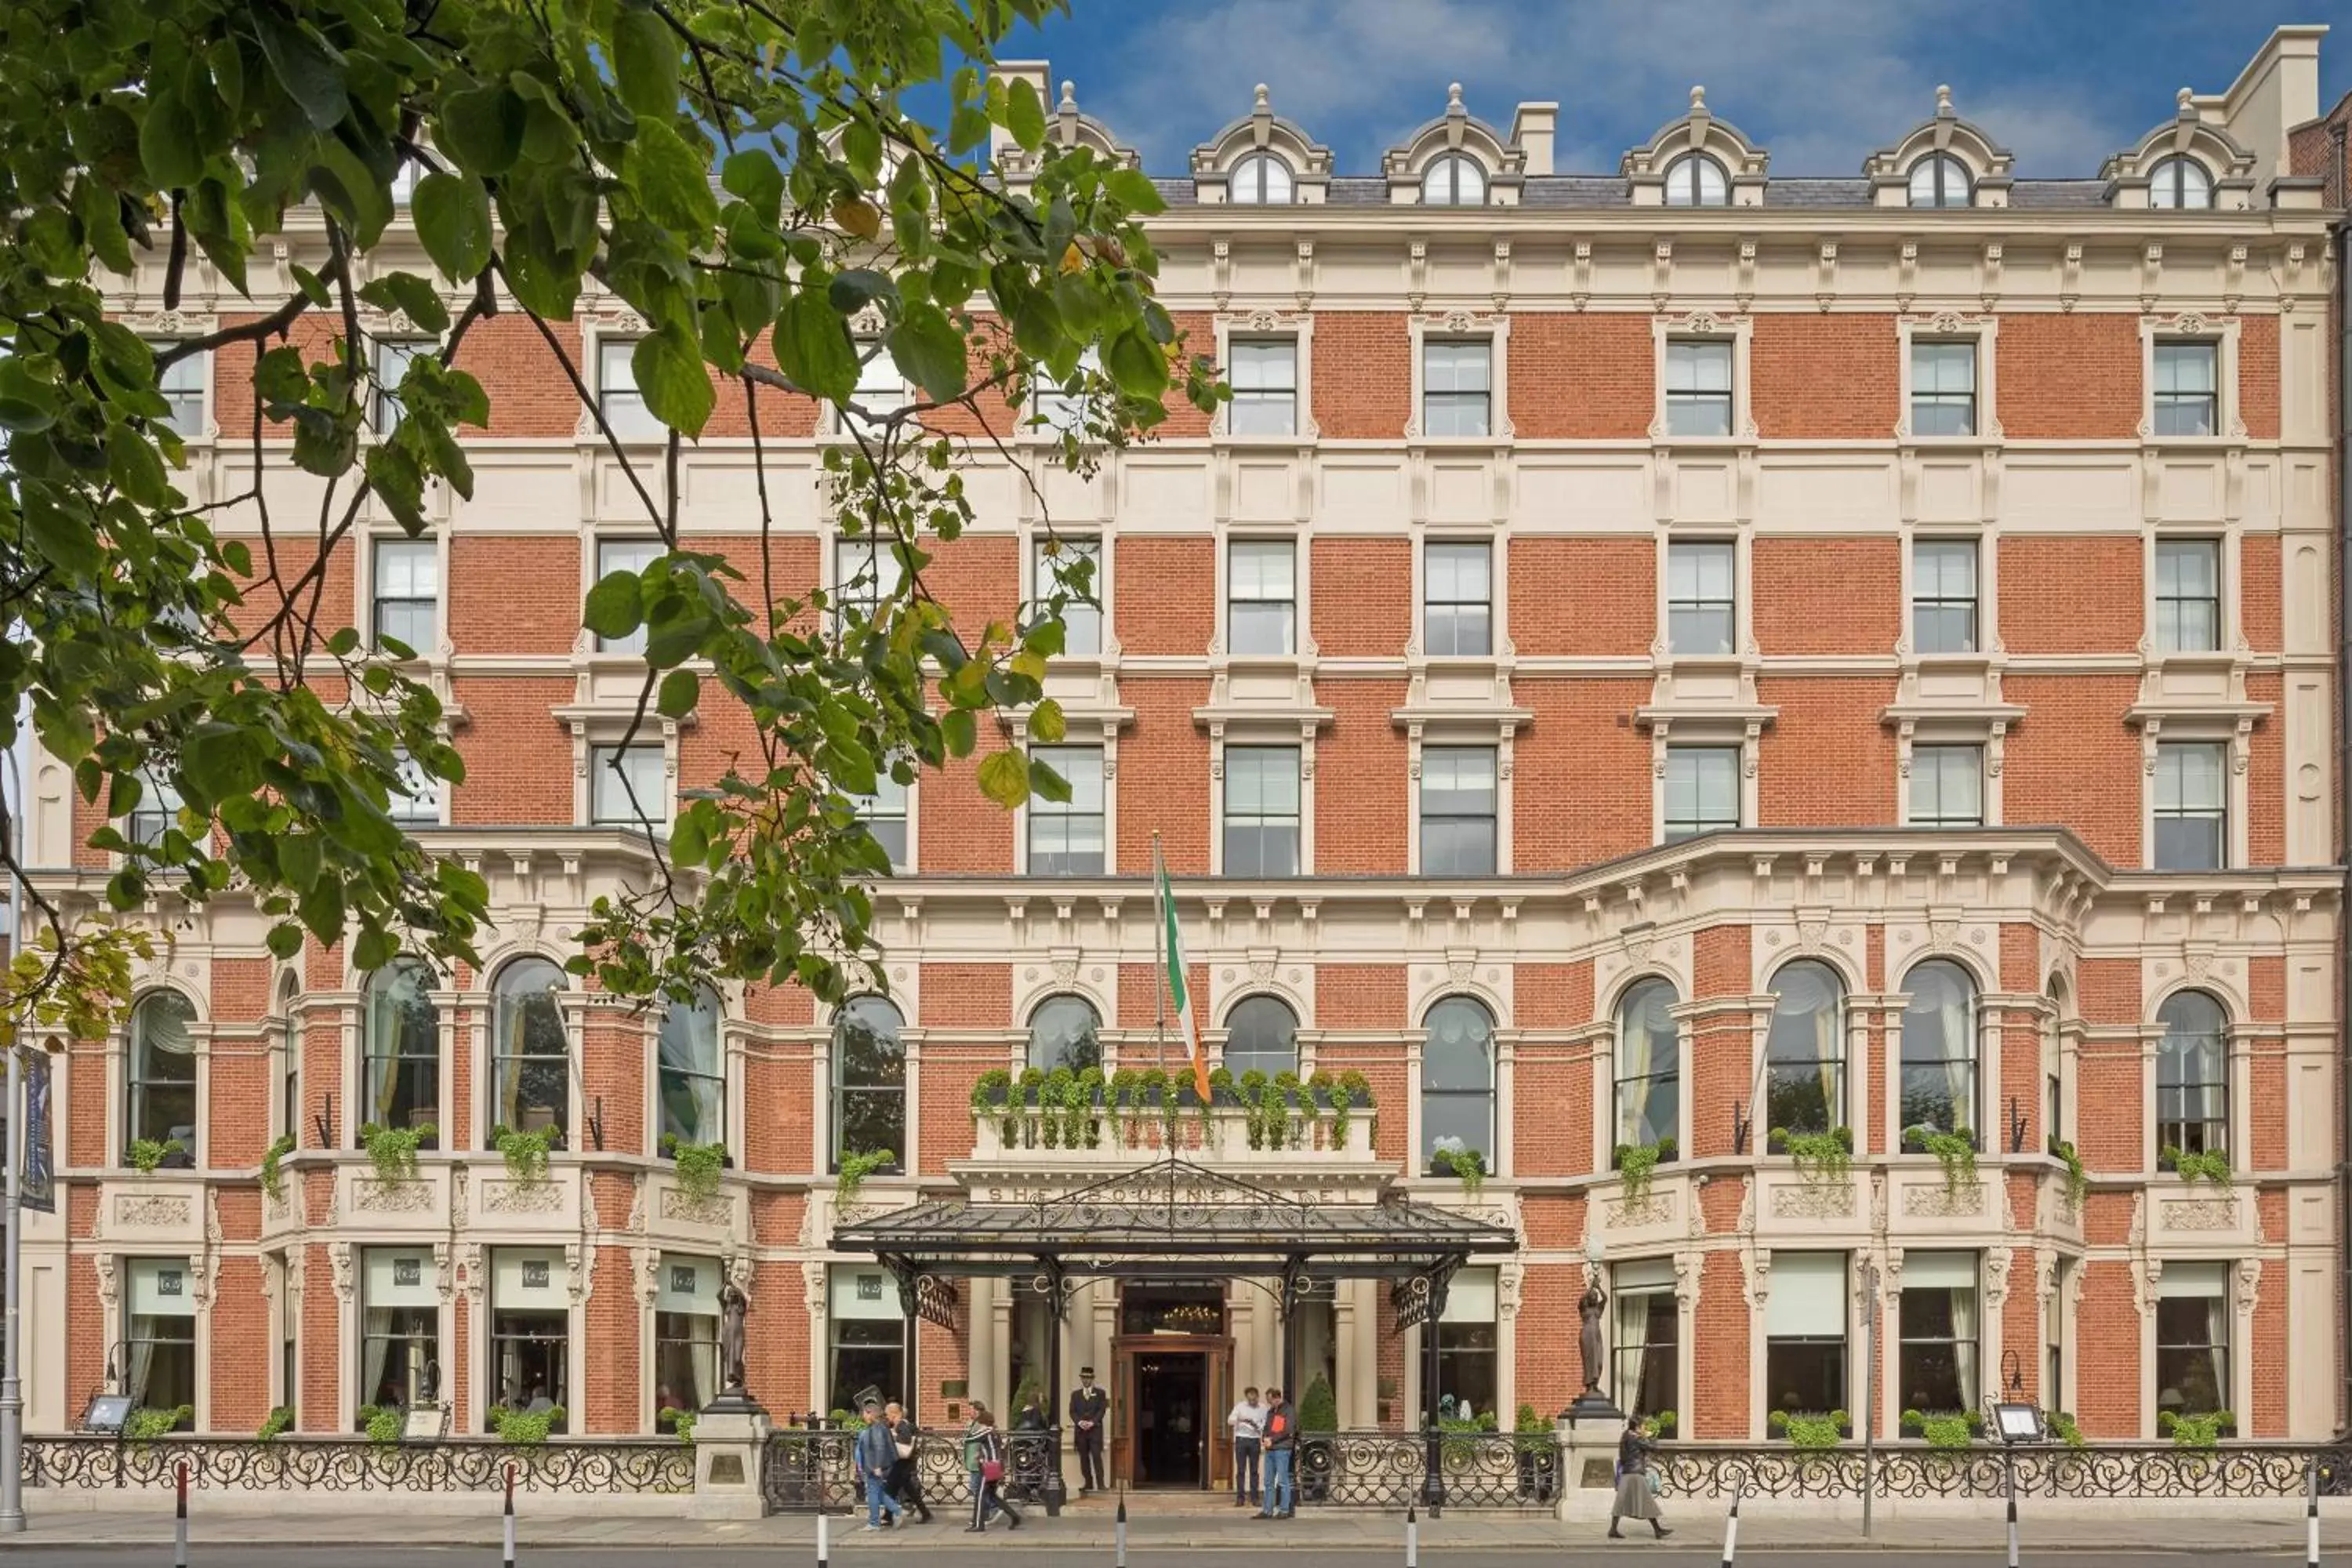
{"type": "Point", "coordinates": [746, 175]}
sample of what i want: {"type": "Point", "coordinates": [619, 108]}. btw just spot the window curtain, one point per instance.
{"type": "Point", "coordinates": [2216, 1358]}
{"type": "Point", "coordinates": [1960, 1061]}
{"type": "Point", "coordinates": [1964, 1341]}
{"type": "Point", "coordinates": [691, 1081]}
{"type": "Point", "coordinates": [1636, 1062]}
{"type": "Point", "coordinates": [144, 1331]}
{"type": "Point", "coordinates": [379, 1345]}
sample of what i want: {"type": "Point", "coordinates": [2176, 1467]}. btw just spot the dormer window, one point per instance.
{"type": "Point", "coordinates": [1695, 180]}
{"type": "Point", "coordinates": [1941, 180]}
{"type": "Point", "coordinates": [2181, 183]}
{"type": "Point", "coordinates": [1261, 180]}
{"type": "Point", "coordinates": [1455, 180]}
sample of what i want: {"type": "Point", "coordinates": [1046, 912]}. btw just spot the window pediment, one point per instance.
{"type": "Point", "coordinates": [1069, 127]}
{"type": "Point", "coordinates": [1986, 164]}
{"type": "Point", "coordinates": [1699, 132]}
{"type": "Point", "coordinates": [2212, 165]}
{"type": "Point", "coordinates": [1491, 174]}
{"type": "Point", "coordinates": [1262, 133]}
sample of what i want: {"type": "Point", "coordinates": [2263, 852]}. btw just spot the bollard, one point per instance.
{"type": "Point", "coordinates": [1118, 1532]}
{"type": "Point", "coordinates": [2311, 1515]}
{"type": "Point", "coordinates": [2012, 1525]}
{"type": "Point", "coordinates": [1411, 1539]}
{"type": "Point", "coordinates": [821, 1518]}
{"type": "Point", "coordinates": [1731, 1533]}
{"type": "Point", "coordinates": [180, 1522]}
{"type": "Point", "coordinates": [510, 1517]}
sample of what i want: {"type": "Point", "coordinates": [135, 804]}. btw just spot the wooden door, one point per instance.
{"type": "Point", "coordinates": [1217, 1379]}
{"type": "Point", "coordinates": [1121, 1457]}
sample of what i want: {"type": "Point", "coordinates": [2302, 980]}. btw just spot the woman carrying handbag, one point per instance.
{"type": "Point", "coordinates": [1637, 1493]}
{"type": "Point", "coordinates": [983, 1457]}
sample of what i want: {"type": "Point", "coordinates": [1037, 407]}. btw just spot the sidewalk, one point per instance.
{"type": "Point", "coordinates": [541, 1523]}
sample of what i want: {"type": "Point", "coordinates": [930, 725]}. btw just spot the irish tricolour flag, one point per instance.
{"type": "Point", "coordinates": [1180, 994]}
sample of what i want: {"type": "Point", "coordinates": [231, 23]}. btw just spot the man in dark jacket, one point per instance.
{"type": "Point", "coordinates": [1089, 1407]}
{"type": "Point", "coordinates": [1281, 1450]}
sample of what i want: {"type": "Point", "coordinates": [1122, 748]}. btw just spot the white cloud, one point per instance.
{"type": "Point", "coordinates": [1821, 82]}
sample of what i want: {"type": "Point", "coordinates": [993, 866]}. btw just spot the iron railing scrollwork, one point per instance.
{"type": "Point", "coordinates": [810, 1469]}
{"type": "Point", "coordinates": [575, 1466]}
{"type": "Point", "coordinates": [1387, 1469]}
{"type": "Point", "coordinates": [1715, 1471]}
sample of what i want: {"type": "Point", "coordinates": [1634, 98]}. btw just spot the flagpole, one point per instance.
{"type": "Point", "coordinates": [1158, 957]}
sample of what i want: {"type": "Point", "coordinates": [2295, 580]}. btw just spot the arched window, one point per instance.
{"type": "Point", "coordinates": [2178, 181]}
{"type": "Point", "coordinates": [869, 1079]}
{"type": "Point", "coordinates": [1939, 180]}
{"type": "Point", "coordinates": [693, 1074]}
{"type": "Point", "coordinates": [1454, 180]}
{"type": "Point", "coordinates": [1262, 1035]}
{"type": "Point", "coordinates": [1695, 180]}
{"type": "Point", "coordinates": [1649, 1065]}
{"type": "Point", "coordinates": [403, 1087]}
{"type": "Point", "coordinates": [289, 1066]}
{"type": "Point", "coordinates": [530, 1050]}
{"type": "Point", "coordinates": [2192, 1086]}
{"type": "Point", "coordinates": [1804, 1052]}
{"type": "Point", "coordinates": [163, 1075]}
{"type": "Point", "coordinates": [1260, 179]}
{"type": "Point", "coordinates": [1457, 1084]}
{"type": "Point", "coordinates": [1940, 1048]}
{"type": "Point", "coordinates": [1062, 1034]}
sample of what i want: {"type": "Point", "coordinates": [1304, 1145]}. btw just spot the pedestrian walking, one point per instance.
{"type": "Point", "coordinates": [1089, 1405]}
{"type": "Point", "coordinates": [905, 1485]}
{"type": "Point", "coordinates": [1637, 1484]}
{"type": "Point", "coordinates": [983, 1458]}
{"type": "Point", "coordinates": [876, 1454]}
{"type": "Point", "coordinates": [1247, 1423]}
{"type": "Point", "coordinates": [1281, 1445]}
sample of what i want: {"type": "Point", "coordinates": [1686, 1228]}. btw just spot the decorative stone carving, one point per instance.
{"type": "Point", "coordinates": [1996, 1282]}
{"type": "Point", "coordinates": [1687, 1267]}
{"type": "Point", "coordinates": [1813, 1200]}
{"type": "Point", "coordinates": [521, 1197]}
{"type": "Point", "coordinates": [2246, 1294]}
{"type": "Point", "coordinates": [1942, 1201]}
{"type": "Point", "coordinates": [152, 1211]}
{"type": "Point", "coordinates": [339, 1257]}
{"type": "Point", "coordinates": [392, 1197]}
{"type": "Point", "coordinates": [458, 1185]}
{"type": "Point", "coordinates": [2200, 1214]}
{"type": "Point", "coordinates": [1747, 1205]}
{"type": "Point", "coordinates": [1652, 1209]}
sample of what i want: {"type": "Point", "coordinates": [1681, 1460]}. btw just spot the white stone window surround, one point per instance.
{"type": "Point", "coordinates": [606, 320]}
{"type": "Point", "coordinates": [1470, 729]}
{"type": "Point", "coordinates": [1987, 732]}
{"type": "Point", "coordinates": [1744, 732]}
{"type": "Point", "coordinates": [1744, 164]}
{"type": "Point", "coordinates": [1989, 651]}
{"type": "Point", "coordinates": [1602, 1037]}
{"type": "Point", "coordinates": [2239, 1034]}
{"type": "Point", "coordinates": [1988, 1010]}
{"type": "Point", "coordinates": [117, 1070]}
{"type": "Point", "coordinates": [2228, 536]}
{"type": "Point", "coordinates": [2234, 734]}
{"type": "Point", "coordinates": [159, 325]}
{"type": "Point", "coordinates": [1274, 730]}
{"type": "Point", "coordinates": [1302, 590]}
{"type": "Point", "coordinates": [735, 1039]}
{"type": "Point", "coordinates": [1036, 581]}
{"type": "Point", "coordinates": [363, 587]}
{"type": "Point", "coordinates": [591, 729]}
{"type": "Point", "coordinates": [866, 331]}
{"type": "Point", "coordinates": [349, 1108]}
{"type": "Point", "coordinates": [2242, 1278]}
{"type": "Point", "coordinates": [1951, 326]}
{"type": "Point", "coordinates": [1739, 330]}
{"type": "Point", "coordinates": [1086, 731]}
{"type": "Point", "coordinates": [1497, 541]}
{"type": "Point", "coordinates": [479, 1304]}
{"type": "Point", "coordinates": [906, 998]}
{"type": "Point", "coordinates": [480, 1007]}
{"type": "Point", "coordinates": [1495, 327]}
{"type": "Point", "coordinates": [1262, 130]}
{"type": "Point", "coordinates": [1743, 565]}
{"type": "Point", "coordinates": [2223, 331]}
{"type": "Point", "coordinates": [1299, 327]}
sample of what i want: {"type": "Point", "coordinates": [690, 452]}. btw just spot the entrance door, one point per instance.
{"type": "Point", "coordinates": [1172, 1419]}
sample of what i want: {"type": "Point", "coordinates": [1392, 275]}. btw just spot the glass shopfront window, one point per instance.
{"type": "Point", "coordinates": [530, 1331]}
{"type": "Point", "coordinates": [686, 1335]}
{"type": "Point", "coordinates": [1649, 1330]}
{"type": "Point", "coordinates": [400, 1327]}
{"type": "Point", "coordinates": [1939, 1328]}
{"type": "Point", "coordinates": [159, 1335]}
{"type": "Point", "coordinates": [1804, 1333]}
{"type": "Point", "coordinates": [2192, 1339]}
{"type": "Point", "coordinates": [1468, 1348]}
{"type": "Point", "coordinates": [869, 1336]}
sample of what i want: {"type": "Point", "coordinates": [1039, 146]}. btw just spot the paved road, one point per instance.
{"type": "Point", "coordinates": [853, 1553]}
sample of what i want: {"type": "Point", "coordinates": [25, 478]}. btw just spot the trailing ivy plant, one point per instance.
{"type": "Point", "coordinates": [1819, 1156]}
{"type": "Point", "coordinates": [1350, 1090]}
{"type": "Point", "coordinates": [2212, 1166]}
{"type": "Point", "coordinates": [2078, 1180]}
{"type": "Point", "coordinates": [1469, 1165]}
{"type": "Point", "coordinates": [522, 1428]}
{"type": "Point", "coordinates": [697, 1165]}
{"type": "Point", "coordinates": [273, 1181]}
{"type": "Point", "coordinates": [2195, 1431]}
{"type": "Point", "coordinates": [144, 1426]}
{"type": "Point", "coordinates": [992, 1095]}
{"type": "Point", "coordinates": [524, 1153]}
{"type": "Point", "coordinates": [1253, 1093]}
{"type": "Point", "coordinates": [281, 1417]}
{"type": "Point", "coordinates": [1083, 1128]}
{"type": "Point", "coordinates": [1053, 1099]}
{"type": "Point", "coordinates": [148, 1154]}
{"type": "Point", "coordinates": [2064, 1428]}
{"type": "Point", "coordinates": [1637, 1163]}
{"type": "Point", "coordinates": [1955, 1151]}
{"type": "Point", "coordinates": [393, 1150]}
{"type": "Point", "coordinates": [1156, 1092]}
{"type": "Point", "coordinates": [854, 1169]}
{"type": "Point", "coordinates": [1287, 1098]}
{"type": "Point", "coordinates": [1120, 1100]}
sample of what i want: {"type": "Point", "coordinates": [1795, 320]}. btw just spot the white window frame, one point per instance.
{"type": "Point", "coordinates": [201, 407]}
{"type": "Point", "coordinates": [1488, 733]}
{"type": "Point", "coordinates": [1064, 412]}
{"type": "Point", "coordinates": [1696, 326]}
{"type": "Point", "coordinates": [1040, 582]}
{"type": "Point", "coordinates": [887, 572]}
{"type": "Point", "coordinates": [1421, 597]}
{"type": "Point", "coordinates": [384, 409]}
{"type": "Point", "coordinates": [1697, 159]}
{"type": "Point", "coordinates": [884, 371]}
{"type": "Point", "coordinates": [433, 796]}
{"type": "Point", "coordinates": [642, 428]}
{"type": "Point", "coordinates": [427, 549]}
{"type": "Point", "coordinates": [1226, 599]}
{"type": "Point", "coordinates": [600, 778]}
{"type": "Point", "coordinates": [593, 730]}
{"type": "Point", "coordinates": [1024, 816]}
{"type": "Point", "coordinates": [1666, 787]}
{"type": "Point", "coordinates": [633, 646]}
{"type": "Point", "coordinates": [1737, 545]}
{"type": "Point", "coordinates": [1301, 786]}
{"type": "Point", "coordinates": [1262, 731]}
{"type": "Point", "coordinates": [2230, 738]}
{"type": "Point", "coordinates": [1262, 326]}
{"type": "Point", "coordinates": [907, 814]}
{"type": "Point", "coordinates": [1463, 325]}
{"type": "Point", "coordinates": [1950, 326]}
{"type": "Point", "coordinates": [1745, 734]}
{"type": "Point", "coordinates": [1987, 732]}
{"type": "Point", "coordinates": [1912, 545]}
{"type": "Point", "coordinates": [2223, 332]}
{"type": "Point", "coordinates": [1911, 778]}
{"type": "Point", "coordinates": [2225, 576]}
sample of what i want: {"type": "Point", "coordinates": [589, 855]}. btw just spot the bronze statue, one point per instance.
{"type": "Point", "coordinates": [732, 1305]}
{"type": "Point", "coordinates": [1589, 1339]}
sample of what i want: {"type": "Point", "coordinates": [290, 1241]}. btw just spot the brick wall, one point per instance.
{"type": "Point", "coordinates": [2068, 376]}
{"type": "Point", "coordinates": [1792, 359]}
{"type": "Point", "coordinates": [1589, 375]}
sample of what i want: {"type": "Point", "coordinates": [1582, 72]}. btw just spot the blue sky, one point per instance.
{"type": "Point", "coordinates": [1820, 82]}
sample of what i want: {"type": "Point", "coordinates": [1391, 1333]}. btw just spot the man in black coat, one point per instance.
{"type": "Point", "coordinates": [1089, 1407]}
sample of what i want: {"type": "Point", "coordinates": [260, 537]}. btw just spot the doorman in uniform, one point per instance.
{"type": "Point", "coordinates": [1089, 1405]}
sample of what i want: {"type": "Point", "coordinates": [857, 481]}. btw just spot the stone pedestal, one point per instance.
{"type": "Point", "coordinates": [729, 1441]}
{"type": "Point", "coordinates": [1588, 1454]}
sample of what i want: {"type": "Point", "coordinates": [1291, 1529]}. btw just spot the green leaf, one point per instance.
{"type": "Point", "coordinates": [221, 760]}
{"type": "Point", "coordinates": [132, 465]}
{"type": "Point", "coordinates": [1024, 115]}
{"type": "Point", "coordinates": [672, 183]}
{"type": "Point", "coordinates": [959, 730]}
{"type": "Point", "coordinates": [411, 295]}
{"type": "Point", "coordinates": [1046, 724]}
{"type": "Point", "coordinates": [1136, 364]}
{"type": "Point", "coordinates": [28, 403]}
{"type": "Point", "coordinates": [321, 909]}
{"type": "Point", "coordinates": [1047, 784]}
{"type": "Point", "coordinates": [344, 642]}
{"type": "Point", "coordinates": [688, 842]}
{"type": "Point", "coordinates": [453, 220]}
{"type": "Point", "coordinates": [645, 60]}
{"type": "Point", "coordinates": [1004, 778]}
{"type": "Point", "coordinates": [859, 287]}
{"type": "Point", "coordinates": [930, 351]}
{"type": "Point", "coordinates": [168, 147]}
{"type": "Point", "coordinates": [311, 72]}
{"type": "Point", "coordinates": [375, 948]}
{"type": "Point", "coordinates": [676, 386]}
{"type": "Point", "coordinates": [681, 691]}
{"type": "Point", "coordinates": [813, 346]}
{"type": "Point", "coordinates": [298, 860]}
{"type": "Point", "coordinates": [1133, 189]}
{"type": "Point", "coordinates": [759, 180]}
{"type": "Point", "coordinates": [285, 940]}
{"type": "Point", "coordinates": [967, 129]}
{"type": "Point", "coordinates": [615, 605]}
{"type": "Point", "coordinates": [482, 127]}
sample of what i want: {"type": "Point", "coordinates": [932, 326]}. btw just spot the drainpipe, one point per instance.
{"type": "Point", "coordinates": [2343, 195]}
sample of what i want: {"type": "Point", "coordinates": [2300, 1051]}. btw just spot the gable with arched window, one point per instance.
{"type": "Point", "coordinates": [1697, 161]}
{"type": "Point", "coordinates": [1939, 1076]}
{"type": "Point", "coordinates": [1805, 1049]}
{"type": "Point", "coordinates": [1455, 161]}
{"type": "Point", "coordinates": [1649, 1067]}
{"type": "Point", "coordinates": [869, 1079]}
{"type": "Point", "coordinates": [1944, 162]}
{"type": "Point", "coordinates": [1065, 1032]}
{"type": "Point", "coordinates": [1261, 1036]}
{"type": "Point", "coordinates": [1697, 180]}
{"type": "Point", "coordinates": [2192, 1076]}
{"type": "Point", "coordinates": [160, 1104]}
{"type": "Point", "coordinates": [531, 1053]}
{"type": "Point", "coordinates": [690, 1074]}
{"type": "Point", "coordinates": [2189, 163]}
{"type": "Point", "coordinates": [1457, 1086]}
{"type": "Point", "coordinates": [400, 1080]}
{"type": "Point", "coordinates": [1261, 160]}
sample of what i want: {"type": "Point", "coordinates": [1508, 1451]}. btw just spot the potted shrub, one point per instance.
{"type": "Point", "coordinates": [1664, 1424]}
{"type": "Point", "coordinates": [698, 1164]}
{"type": "Point", "coordinates": [1819, 1156]}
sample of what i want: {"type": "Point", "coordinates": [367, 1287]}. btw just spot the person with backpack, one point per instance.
{"type": "Point", "coordinates": [983, 1458]}
{"type": "Point", "coordinates": [1247, 1424]}
{"type": "Point", "coordinates": [1281, 1444]}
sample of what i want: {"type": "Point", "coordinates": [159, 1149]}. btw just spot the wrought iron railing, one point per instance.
{"type": "Point", "coordinates": [1390, 1470]}
{"type": "Point", "coordinates": [289, 1463]}
{"type": "Point", "coordinates": [1715, 1471]}
{"type": "Point", "coordinates": [810, 1469]}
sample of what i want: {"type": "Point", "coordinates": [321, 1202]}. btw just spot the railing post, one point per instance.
{"type": "Point", "coordinates": [180, 1518]}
